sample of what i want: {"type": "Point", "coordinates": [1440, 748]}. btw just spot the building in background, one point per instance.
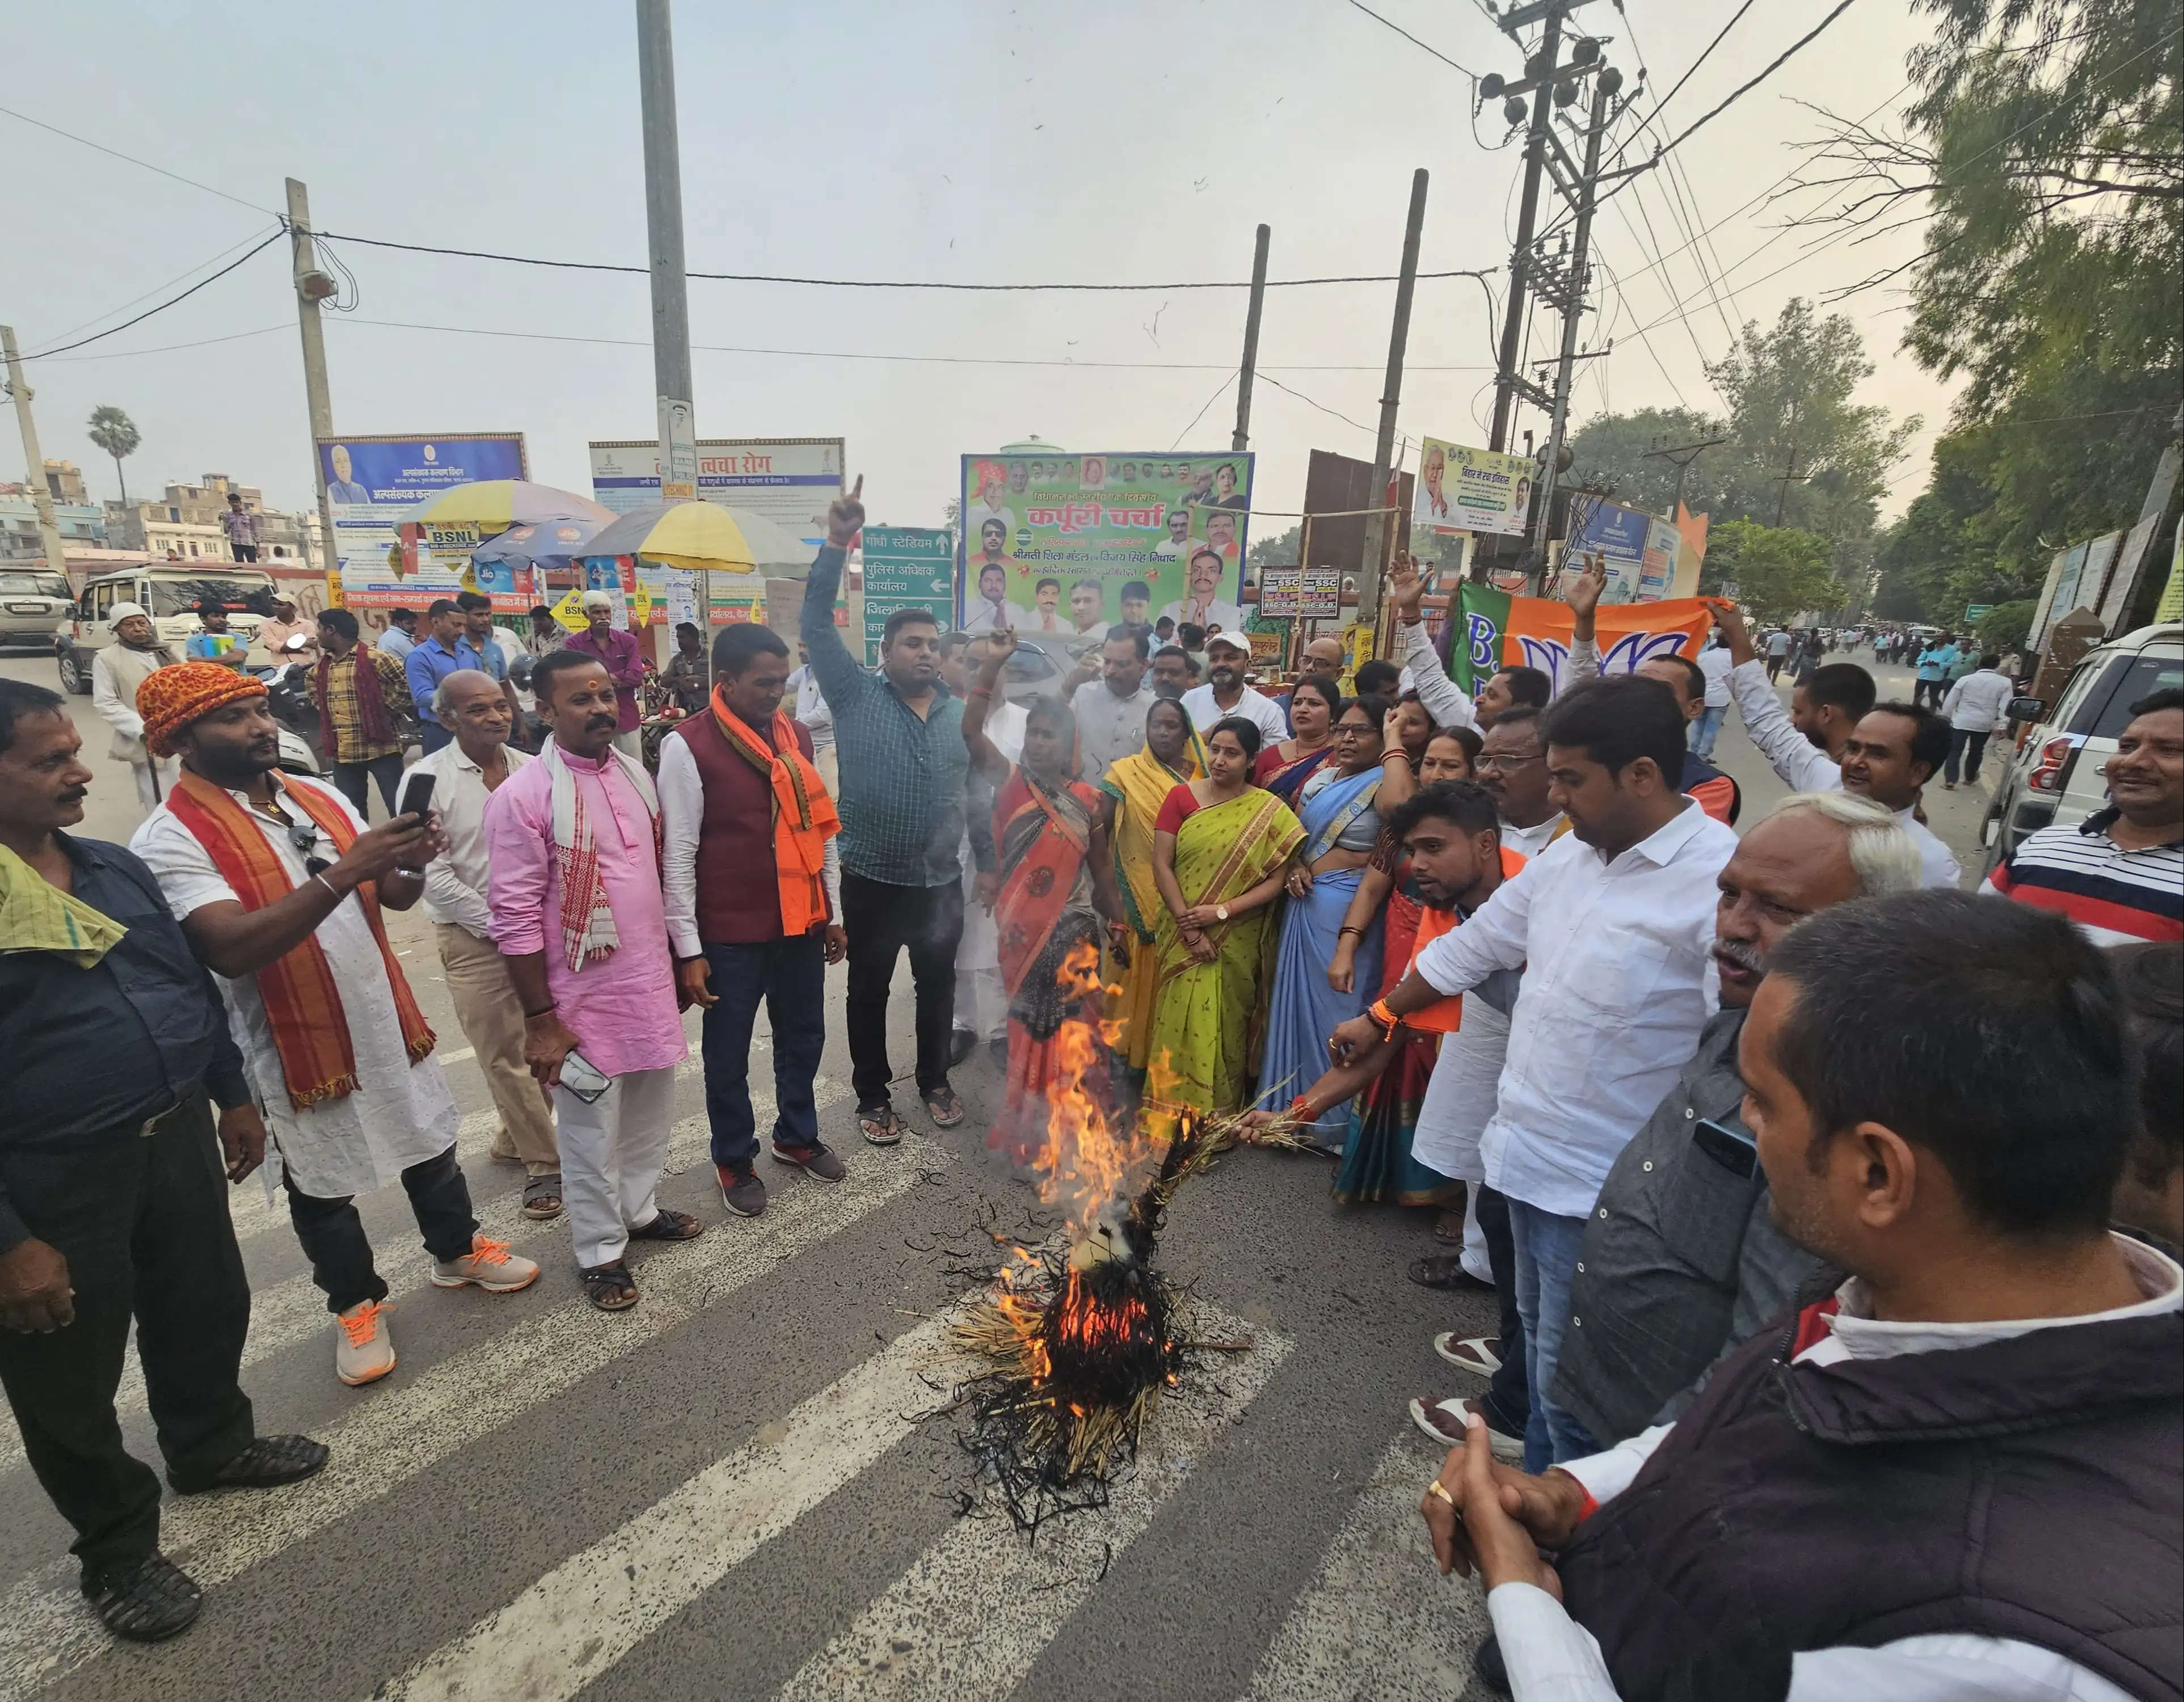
{"type": "Point", "coordinates": [82, 524]}
{"type": "Point", "coordinates": [183, 522]}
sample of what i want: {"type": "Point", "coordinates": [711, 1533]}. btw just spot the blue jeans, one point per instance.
{"type": "Point", "coordinates": [433, 736]}
{"type": "Point", "coordinates": [790, 976]}
{"type": "Point", "coordinates": [1547, 1246]}
{"type": "Point", "coordinates": [1706, 729]}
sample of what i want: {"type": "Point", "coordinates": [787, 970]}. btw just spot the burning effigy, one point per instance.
{"type": "Point", "coordinates": [1080, 1337]}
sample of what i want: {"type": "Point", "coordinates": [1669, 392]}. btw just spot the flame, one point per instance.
{"type": "Point", "coordinates": [1089, 1159]}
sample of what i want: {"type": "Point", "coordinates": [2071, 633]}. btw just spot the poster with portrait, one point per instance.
{"type": "Point", "coordinates": [373, 484]}
{"type": "Point", "coordinates": [1070, 544]}
{"type": "Point", "coordinates": [1462, 490]}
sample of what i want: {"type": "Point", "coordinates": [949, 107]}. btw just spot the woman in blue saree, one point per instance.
{"type": "Point", "coordinates": [1337, 806]}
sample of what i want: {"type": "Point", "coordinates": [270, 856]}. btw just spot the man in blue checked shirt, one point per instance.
{"type": "Point", "coordinates": [904, 772]}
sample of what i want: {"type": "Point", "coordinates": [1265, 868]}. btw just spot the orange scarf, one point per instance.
{"type": "Point", "coordinates": [803, 816]}
{"type": "Point", "coordinates": [1446, 1016]}
{"type": "Point", "coordinates": [310, 1033]}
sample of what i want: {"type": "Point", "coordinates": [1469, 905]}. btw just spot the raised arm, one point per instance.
{"type": "Point", "coordinates": [840, 678]}
{"type": "Point", "coordinates": [1803, 766]}
{"type": "Point", "coordinates": [1443, 698]}
{"type": "Point", "coordinates": [1582, 596]}
{"type": "Point", "coordinates": [1000, 645]}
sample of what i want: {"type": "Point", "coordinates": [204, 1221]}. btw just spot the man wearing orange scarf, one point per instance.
{"type": "Point", "coordinates": [754, 905]}
{"type": "Point", "coordinates": [280, 887]}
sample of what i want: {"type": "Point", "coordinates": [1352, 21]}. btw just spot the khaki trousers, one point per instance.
{"type": "Point", "coordinates": [491, 1019]}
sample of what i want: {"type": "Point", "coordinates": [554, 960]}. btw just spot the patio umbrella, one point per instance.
{"type": "Point", "coordinates": [549, 544]}
{"type": "Point", "coordinates": [700, 535]}
{"type": "Point", "coordinates": [494, 505]}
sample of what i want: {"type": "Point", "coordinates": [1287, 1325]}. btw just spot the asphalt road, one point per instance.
{"type": "Point", "coordinates": [740, 1488]}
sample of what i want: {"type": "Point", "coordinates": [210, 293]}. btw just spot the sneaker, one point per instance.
{"type": "Point", "coordinates": [1445, 1422]}
{"type": "Point", "coordinates": [1477, 1354]}
{"type": "Point", "coordinates": [489, 1264]}
{"type": "Point", "coordinates": [147, 1602]}
{"type": "Point", "coordinates": [364, 1350]}
{"type": "Point", "coordinates": [741, 1191]}
{"type": "Point", "coordinates": [822, 1161]}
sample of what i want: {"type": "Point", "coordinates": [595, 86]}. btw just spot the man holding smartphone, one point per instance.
{"type": "Point", "coordinates": [279, 885]}
{"type": "Point", "coordinates": [573, 841]}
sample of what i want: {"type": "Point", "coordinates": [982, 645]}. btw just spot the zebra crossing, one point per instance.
{"type": "Point", "coordinates": [1320, 1584]}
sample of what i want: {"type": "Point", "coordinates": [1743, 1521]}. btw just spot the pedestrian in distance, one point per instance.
{"type": "Point", "coordinates": [1976, 708]}
{"type": "Point", "coordinates": [431, 661]}
{"type": "Point", "coordinates": [116, 671]}
{"type": "Point", "coordinates": [622, 655]}
{"type": "Point", "coordinates": [752, 876]}
{"type": "Point", "coordinates": [574, 843]}
{"type": "Point", "coordinates": [363, 698]}
{"type": "Point", "coordinates": [112, 1207]}
{"type": "Point", "coordinates": [465, 776]}
{"type": "Point", "coordinates": [280, 886]}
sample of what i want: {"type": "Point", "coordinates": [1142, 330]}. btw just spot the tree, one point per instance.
{"type": "Point", "coordinates": [1779, 572]}
{"type": "Point", "coordinates": [1283, 549]}
{"type": "Point", "coordinates": [116, 432]}
{"type": "Point", "coordinates": [1609, 454]}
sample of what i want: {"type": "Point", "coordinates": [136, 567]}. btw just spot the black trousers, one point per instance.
{"type": "Point", "coordinates": [142, 1222]}
{"type": "Point", "coordinates": [881, 921]}
{"type": "Point", "coordinates": [333, 1234]}
{"type": "Point", "coordinates": [1508, 1397]}
{"type": "Point", "coordinates": [352, 778]}
{"type": "Point", "coordinates": [1969, 746]}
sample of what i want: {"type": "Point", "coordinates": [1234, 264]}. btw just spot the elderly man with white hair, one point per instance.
{"type": "Point", "coordinates": [619, 651]}
{"type": "Point", "coordinates": [116, 672]}
{"type": "Point", "coordinates": [1680, 1260]}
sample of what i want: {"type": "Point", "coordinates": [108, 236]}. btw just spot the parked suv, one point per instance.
{"type": "Point", "coordinates": [33, 602]}
{"type": "Point", "coordinates": [171, 595]}
{"type": "Point", "coordinates": [2055, 773]}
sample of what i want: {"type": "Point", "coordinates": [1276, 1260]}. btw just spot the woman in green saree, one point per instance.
{"type": "Point", "coordinates": [1222, 849]}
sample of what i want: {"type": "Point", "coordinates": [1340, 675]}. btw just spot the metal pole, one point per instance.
{"type": "Point", "coordinates": [1377, 521]}
{"type": "Point", "coordinates": [1242, 439]}
{"type": "Point", "coordinates": [41, 499]}
{"type": "Point", "coordinates": [1559, 420]}
{"type": "Point", "coordinates": [1528, 211]}
{"type": "Point", "coordinates": [313, 286]}
{"type": "Point", "coordinates": [663, 220]}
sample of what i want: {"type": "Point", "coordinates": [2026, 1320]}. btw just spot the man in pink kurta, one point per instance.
{"type": "Point", "coordinates": [575, 890]}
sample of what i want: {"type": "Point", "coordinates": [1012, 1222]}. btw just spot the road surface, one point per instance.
{"type": "Point", "coordinates": [738, 1490]}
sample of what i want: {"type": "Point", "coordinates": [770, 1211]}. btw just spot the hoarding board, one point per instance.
{"type": "Point", "coordinates": [789, 481]}
{"type": "Point", "coordinates": [373, 484]}
{"type": "Point", "coordinates": [1639, 548]}
{"type": "Point", "coordinates": [906, 568]}
{"type": "Point", "coordinates": [1068, 545]}
{"type": "Point", "coordinates": [1463, 490]}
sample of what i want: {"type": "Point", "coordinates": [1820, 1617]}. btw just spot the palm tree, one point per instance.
{"type": "Point", "coordinates": [116, 432]}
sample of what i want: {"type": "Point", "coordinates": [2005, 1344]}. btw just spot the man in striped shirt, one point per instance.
{"type": "Point", "coordinates": [2119, 873]}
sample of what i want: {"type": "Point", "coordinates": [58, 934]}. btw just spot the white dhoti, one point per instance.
{"type": "Point", "coordinates": [1458, 1104]}
{"type": "Point", "coordinates": [982, 998]}
{"type": "Point", "coordinates": [611, 1152]}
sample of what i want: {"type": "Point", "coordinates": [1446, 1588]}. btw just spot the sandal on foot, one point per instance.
{"type": "Point", "coordinates": [610, 1287]}
{"type": "Point", "coordinates": [667, 1226]}
{"type": "Point", "coordinates": [541, 1198]}
{"type": "Point", "coordinates": [147, 1602]}
{"type": "Point", "coordinates": [269, 1462]}
{"type": "Point", "coordinates": [1448, 1226]}
{"type": "Point", "coordinates": [879, 1124]}
{"type": "Point", "coordinates": [943, 1107]}
{"type": "Point", "coordinates": [1446, 1271]}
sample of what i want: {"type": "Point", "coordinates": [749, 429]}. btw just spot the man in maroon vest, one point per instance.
{"type": "Point", "coordinates": [1957, 1473]}
{"type": "Point", "coordinates": [753, 888]}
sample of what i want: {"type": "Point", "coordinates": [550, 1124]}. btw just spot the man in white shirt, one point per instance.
{"type": "Point", "coordinates": [982, 999]}
{"type": "Point", "coordinates": [1110, 709]}
{"type": "Point", "coordinates": [116, 671]}
{"type": "Point", "coordinates": [1954, 1477]}
{"type": "Point", "coordinates": [816, 719]}
{"type": "Point", "coordinates": [1613, 926]}
{"type": "Point", "coordinates": [1976, 708]}
{"type": "Point", "coordinates": [1224, 694]}
{"type": "Point", "coordinates": [465, 774]}
{"type": "Point", "coordinates": [1714, 662]}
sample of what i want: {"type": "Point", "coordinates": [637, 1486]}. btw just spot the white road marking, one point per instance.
{"type": "Point", "coordinates": [1378, 1620]}
{"type": "Point", "coordinates": [583, 1616]}
{"type": "Point", "coordinates": [285, 1313]}
{"type": "Point", "coordinates": [459, 1056]}
{"type": "Point", "coordinates": [972, 1614]}
{"type": "Point", "coordinates": [409, 1425]}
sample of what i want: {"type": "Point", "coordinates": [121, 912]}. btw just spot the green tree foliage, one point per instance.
{"type": "Point", "coordinates": [1279, 551]}
{"type": "Point", "coordinates": [116, 432]}
{"type": "Point", "coordinates": [2006, 625]}
{"type": "Point", "coordinates": [1777, 570]}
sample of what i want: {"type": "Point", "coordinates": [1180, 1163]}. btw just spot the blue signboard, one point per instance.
{"type": "Point", "coordinates": [372, 485]}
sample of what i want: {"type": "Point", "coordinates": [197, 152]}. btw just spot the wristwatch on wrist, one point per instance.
{"type": "Point", "coordinates": [1220, 912]}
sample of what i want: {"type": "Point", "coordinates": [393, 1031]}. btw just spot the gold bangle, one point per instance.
{"type": "Point", "coordinates": [1436, 1487]}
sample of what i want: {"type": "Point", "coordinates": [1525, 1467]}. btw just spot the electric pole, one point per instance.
{"type": "Point", "coordinates": [41, 499]}
{"type": "Point", "coordinates": [1242, 439]}
{"type": "Point", "coordinates": [1680, 456]}
{"type": "Point", "coordinates": [1384, 445]}
{"type": "Point", "coordinates": [663, 220]}
{"type": "Point", "coordinates": [312, 288]}
{"type": "Point", "coordinates": [1539, 78]}
{"type": "Point", "coordinates": [1573, 306]}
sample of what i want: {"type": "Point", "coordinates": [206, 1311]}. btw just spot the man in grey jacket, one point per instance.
{"type": "Point", "coordinates": [1681, 1261]}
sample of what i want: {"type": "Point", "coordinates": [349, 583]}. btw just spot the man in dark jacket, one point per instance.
{"type": "Point", "coordinates": [111, 1207]}
{"type": "Point", "coordinates": [1958, 1472]}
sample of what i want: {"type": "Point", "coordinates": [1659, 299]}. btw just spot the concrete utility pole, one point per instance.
{"type": "Point", "coordinates": [1374, 562]}
{"type": "Point", "coordinates": [663, 221]}
{"type": "Point", "coordinates": [1242, 439]}
{"type": "Point", "coordinates": [312, 288]}
{"type": "Point", "coordinates": [1543, 497]}
{"type": "Point", "coordinates": [1682, 454]}
{"type": "Point", "coordinates": [41, 499]}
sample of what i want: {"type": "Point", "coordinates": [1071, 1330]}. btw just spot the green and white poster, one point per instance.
{"type": "Point", "coordinates": [1069, 544]}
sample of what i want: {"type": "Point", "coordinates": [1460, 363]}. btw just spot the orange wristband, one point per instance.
{"type": "Point", "coordinates": [1388, 1020]}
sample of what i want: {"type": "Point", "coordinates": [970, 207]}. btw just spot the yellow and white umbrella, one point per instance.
{"type": "Point", "coordinates": [700, 535]}
{"type": "Point", "coordinates": [494, 505]}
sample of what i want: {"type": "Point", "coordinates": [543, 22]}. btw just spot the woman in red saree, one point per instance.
{"type": "Point", "coordinates": [1056, 885]}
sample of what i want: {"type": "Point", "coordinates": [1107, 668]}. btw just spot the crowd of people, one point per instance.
{"type": "Point", "coordinates": [1790, 1169]}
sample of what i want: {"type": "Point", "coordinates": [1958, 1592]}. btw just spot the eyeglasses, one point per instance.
{"type": "Point", "coordinates": [1351, 730]}
{"type": "Point", "coordinates": [1503, 764]}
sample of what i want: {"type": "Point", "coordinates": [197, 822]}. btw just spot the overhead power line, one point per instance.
{"type": "Point", "coordinates": [1414, 40]}
{"type": "Point", "coordinates": [1744, 88]}
{"type": "Point", "coordinates": [132, 160]}
{"type": "Point", "coordinates": [100, 336]}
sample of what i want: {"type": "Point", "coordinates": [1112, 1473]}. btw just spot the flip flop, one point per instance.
{"type": "Point", "coordinates": [880, 1125]}
{"type": "Point", "coordinates": [1447, 1272]}
{"type": "Point", "coordinates": [943, 1107]}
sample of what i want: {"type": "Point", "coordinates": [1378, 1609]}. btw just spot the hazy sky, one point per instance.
{"type": "Point", "coordinates": [971, 142]}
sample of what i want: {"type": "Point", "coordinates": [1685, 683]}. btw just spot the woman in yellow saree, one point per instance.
{"type": "Point", "coordinates": [1135, 787]}
{"type": "Point", "coordinates": [1222, 848]}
